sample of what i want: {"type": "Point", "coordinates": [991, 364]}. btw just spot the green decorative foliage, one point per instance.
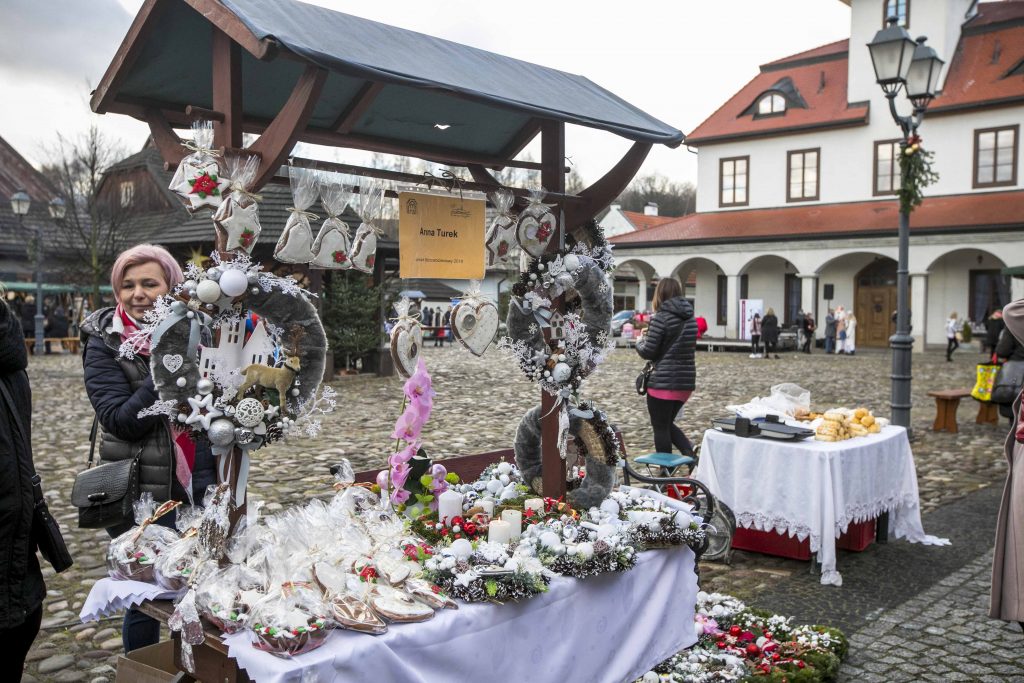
{"type": "Point", "coordinates": [916, 173]}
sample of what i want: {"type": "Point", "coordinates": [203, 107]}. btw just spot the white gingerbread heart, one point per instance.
{"type": "Point", "coordinates": [406, 342]}
{"type": "Point", "coordinates": [474, 324]}
{"type": "Point", "coordinates": [535, 232]}
{"type": "Point", "coordinates": [173, 362]}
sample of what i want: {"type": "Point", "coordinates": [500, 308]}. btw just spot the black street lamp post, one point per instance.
{"type": "Point", "coordinates": [20, 204]}
{"type": "Point", "coordinates": [900, 62]}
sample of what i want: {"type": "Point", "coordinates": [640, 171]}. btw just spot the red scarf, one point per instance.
{"type": "Point", "coordinates": [184, 446]}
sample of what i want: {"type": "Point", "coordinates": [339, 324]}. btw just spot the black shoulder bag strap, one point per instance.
{"type": "Point", "coordinates": [45, 531]}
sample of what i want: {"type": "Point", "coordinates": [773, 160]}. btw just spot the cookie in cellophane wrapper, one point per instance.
{"type": "Point", "coordinates": [293, 618]}
{"type": "Point", "coordinates": [370, 207]}
{"type": "Point", "coordinates": [174, 567]}
{"type": "Point", "coordinates": [226, 596]}
{"type": "Point", "coordinates": [348, 599]}
{"type": "Point", "coordinates": [198, 179]}
{"type": "Point", "coordinates": [333, 245]}
{"type": "Point", "coordinates": [501, 234]}
{"type": "Point", "coordinates": [537, 224]}
{"type": "Point", "coordinates": [133, 554]}
{"type": "Point", "coordinates": [296, 242]}
{"type": "Point", "coordinates": [237, 219]}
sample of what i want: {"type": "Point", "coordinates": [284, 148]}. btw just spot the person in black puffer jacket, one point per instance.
{"type": "Point", "coordinates": [671, 342]}
{"type": "Point", "coordinates": [770, 333]}
{"type": "Point", "coordinates": [119, 388]}
{"type": "Point", "coordinates": [21, 581]}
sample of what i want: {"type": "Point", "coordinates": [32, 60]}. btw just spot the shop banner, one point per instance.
{"type": "Point", "coordinates": [440, 236]}
{"type": "Point", "coordinates": [748, 307]}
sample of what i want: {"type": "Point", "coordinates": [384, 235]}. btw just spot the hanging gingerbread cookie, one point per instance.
{"type": "Point", "coordinates": [475, 320]}
{"type": "Point", "coordinates": [296, 242]}
{"type": "Point", "coordinates": [406, 339]}
{"type": "Point", "coordinates": [537, 224]}
{"type": "Point", "coordinates": [198, 179]}
{"type": "Point", "coordinates": [501, 235]}
{"type": "Point", "coordinates": [370, 206]}
{"type": "Point", "coordinates": [237, 219]}
{"type": "Point", "coordinates": [332, 246]}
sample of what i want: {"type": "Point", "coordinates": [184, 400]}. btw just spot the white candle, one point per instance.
{"type": "Point", "coordinates": [514, 518]}
{"type": "Point", "coordinates": [498, 531]}
{"type": "Point", "coordinates": [534, 504]}
{"type": "Point", "coordinates": [449, 506]}
{"type": "Point", "coordinates": [488, 505]}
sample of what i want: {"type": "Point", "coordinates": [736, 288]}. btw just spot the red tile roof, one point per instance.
{"type": "Point", "coordinates": [991, 46]}
{"type": "Point", "coordinates": [819, 75]}
{"type": "Point", "coordinates": [641, 221]}
{"type": "Point", "coordinates": [976, 211]}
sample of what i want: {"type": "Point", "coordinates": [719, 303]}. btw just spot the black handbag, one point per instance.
{"type": "Point", "coordinates": [1008, 382]}
{"type": "Point", "coordinates": [45, 530]}
{"type": "Point", "coordinates": [105, 495]}
{"type": "Point", "coordinates": [644, 378]}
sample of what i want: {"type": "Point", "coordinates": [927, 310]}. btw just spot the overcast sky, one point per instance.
{"type": "Point", "coordinates": [679, 60]}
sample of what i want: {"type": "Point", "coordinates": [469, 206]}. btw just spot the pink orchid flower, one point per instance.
{"type": "Point", "coordinates": [399, 496]}
{"type": "Point", "coordinates": [419, 385]}
{"type": "Point", "coordinates": [405, 455]}
{"type": "Point", "coordinates": [409, 424]}
{"type": "Point", "coordinates": [399, 475]}
{"type": "Point", "coordinates": [437, 471]}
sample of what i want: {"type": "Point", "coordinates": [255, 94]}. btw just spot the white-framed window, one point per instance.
{"type": "Point", "coordinates": [127, 188]}
{"type": "Point", "coordinates": [771, 104]}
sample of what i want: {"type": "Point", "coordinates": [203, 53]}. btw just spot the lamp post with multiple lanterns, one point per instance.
{"type": "Point", "coordinates": [20, 204]}
{"type": "Point", "coordinates": [902, 63]}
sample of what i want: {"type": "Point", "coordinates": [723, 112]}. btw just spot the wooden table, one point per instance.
{"type": "Point", "coordinates": [211, 658]}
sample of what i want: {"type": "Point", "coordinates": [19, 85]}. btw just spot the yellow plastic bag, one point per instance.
{"type": "Point", "coordinates": [985, 381]}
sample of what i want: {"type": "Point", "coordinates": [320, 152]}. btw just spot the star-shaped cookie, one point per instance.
{"type": "Point", "coordinates": [501, 237]}
{"type": "Point", "coordinates": [242, 226]}
{"type": "Point", "coordinates": [202, 186]}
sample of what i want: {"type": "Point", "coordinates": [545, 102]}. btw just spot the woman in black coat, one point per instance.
{"type": "Point", "coordinates": [119, 388]}
{"type": "Point", "coordinates": [770, 333]}
{"type": "Point", "coordinates": [21, 581]}
{"type": "Point", "coordinates": [671, 342]}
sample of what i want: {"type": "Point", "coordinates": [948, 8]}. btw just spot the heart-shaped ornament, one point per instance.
{"type": "Point", "coordinates": [406, 342]}
{"type": "Point", "coordinates": [173, 362]}
{"type": "Point", "coordinates": [535, 232]}
{"type": "Point", "coordinates": [474, 324]}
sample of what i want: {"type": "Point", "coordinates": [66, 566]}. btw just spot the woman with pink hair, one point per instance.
{"type": "Point", "coordinates": [171, 465]}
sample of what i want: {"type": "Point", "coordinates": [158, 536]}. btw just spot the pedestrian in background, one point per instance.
{"type": "Point", "coordinates": [446, 321]}
{"type": "Point", "coordinates": [830, 331]}
{"type": "Point", "coordinates": [438, 325]}
{"type": "Point", "coordinates": [21, 581]}
{"type": "Point", "coordinates": [840, 329]}
{"type": "Point", "coordinates": [755, 335]}
{"type": "Point", "coordinates": [952, 335]}
{"type": "Point", "coordinates": [119, 388]}
{"type": "Point", "coordinates": [670, 341]}
{"type": "Point", "coordinates": [850, 344]}
{"type": "Point", "coordinates": [1007, 598]}
{"type": "Point", "coordinates": [993, 329]}
{"type": "Point", "coordinates": [808, 328]}
{"type": "Point", "coordinates": [770, 333]}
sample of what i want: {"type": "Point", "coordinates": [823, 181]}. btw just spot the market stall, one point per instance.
{"type": "Point", "coordinates": [403, 549]}
{"type": "Point", "coordinates": [799, 488]}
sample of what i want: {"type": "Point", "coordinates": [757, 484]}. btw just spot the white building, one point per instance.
{"type": "Point", "coordinates": [232, 352]}
{"type": "Point", "coordinates": [797, 175]}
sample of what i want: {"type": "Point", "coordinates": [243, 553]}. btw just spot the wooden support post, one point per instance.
{"type": "Point", "coordinates": [553, 180]}
{"type": "Point", "coordinates": [226, 57]}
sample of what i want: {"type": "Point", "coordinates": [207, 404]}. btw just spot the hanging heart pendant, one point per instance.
{"type": "Point", "coordinates": [535, 232]}
{"type": "Point", "coordinates": [474, 324]}
{"type": "Point", "coordinates": [406, 342]}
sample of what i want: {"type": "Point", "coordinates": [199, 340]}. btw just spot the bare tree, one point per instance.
{"type": "Point", "coordinates": [673, 199]}
{"type": "Point", "coordinates": [95, 229]}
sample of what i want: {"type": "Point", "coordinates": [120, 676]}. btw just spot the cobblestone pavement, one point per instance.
{"type": "Point", "coordinates": [478, 406]}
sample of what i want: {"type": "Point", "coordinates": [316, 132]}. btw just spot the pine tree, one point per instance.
{"type": "Point", "coordinates": [351, 316]}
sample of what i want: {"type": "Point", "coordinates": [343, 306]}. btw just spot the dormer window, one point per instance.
{"type": "Point", "coordinates": [896, 8]}
{"type": "Point", "coordinates": [772, 104]}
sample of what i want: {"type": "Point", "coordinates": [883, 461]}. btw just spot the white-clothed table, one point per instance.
{"type": "Point", "coordinates": [815, 489]}
{"type": "Point", "coordinates": [608, 628]}
{"type": "Point", "coordinates": [108, 596]}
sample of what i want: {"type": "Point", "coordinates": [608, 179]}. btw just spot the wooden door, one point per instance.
{"type": "Point", "coordinates": [874, 315]}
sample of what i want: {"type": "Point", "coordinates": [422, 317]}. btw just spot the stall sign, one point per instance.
{"type": "Point", "coordinates": [440, 236]}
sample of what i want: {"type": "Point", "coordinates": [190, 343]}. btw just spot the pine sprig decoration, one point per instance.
{"type": "Point", "coordinates": [915, 173]}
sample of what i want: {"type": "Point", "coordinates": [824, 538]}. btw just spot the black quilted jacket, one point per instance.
{"type": "Point", "coordinates": [118, 389]}
{"type": "Point", "coordinates": [21, 581]}
{"type": "Point", "coordinates": [671, 342]}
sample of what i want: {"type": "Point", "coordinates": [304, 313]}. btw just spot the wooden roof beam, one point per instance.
{"type": "Point", "coordinates": [362, 101]}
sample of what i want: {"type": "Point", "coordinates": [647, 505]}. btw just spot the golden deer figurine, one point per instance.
{"type": "Point", "coordinates": [259, 375]}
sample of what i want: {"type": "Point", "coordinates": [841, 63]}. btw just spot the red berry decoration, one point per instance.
{"type": "Point", "coordinates": [734, 631]}
{"type": "Point", "coordinates": [800, 664]}
{"type": "Point", "coordinates": [721, 644]}
{"type": "Point", "coordinates": [753, 650]}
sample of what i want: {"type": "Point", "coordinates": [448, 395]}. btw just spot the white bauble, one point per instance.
{"type": "Point", "coordinates": [221, 432]}
{"type": "Point", "coordinates": [208, 291]}
{"type": "Point", "coordinates": [181, 382]}
{"type": "Point", "coordinates": [571, 262]}
{"type": "Point", "coordinates": [233, 282]}
{"type": "Point", "coordinates": [586, 550]}
{"type": "Point", "coordinates": [249, 412]}
{"type": "Point", "coordinates": [494, 486]}
{"type": "Point", "coordinates": [606, 530]}
{"type": "Point", "coordinates": [561, 373]}
{"type": "Point", "coordinates": [503, 479]}
{"type": "Point", "coordinates": [204, 386]}
{"type": "Point", "coordinates": [504, 468]}
{"type": "Point", "coordinates": [651, 677]}
{"type": "Point", "coordinates": [549, 539]}
{"type": "Point", "coordinates": [610, 507]}
{"type": "Point", "coordinates": [461, 548]}
{"type": "Point", "coordinates": [509, 492]}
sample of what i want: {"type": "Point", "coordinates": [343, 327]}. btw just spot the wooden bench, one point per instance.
{"type": "Point", "coordinates": [946, 403]}
{"type": "Point", "coordinates": [69, 344]}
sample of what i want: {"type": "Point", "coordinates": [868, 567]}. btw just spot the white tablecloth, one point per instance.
{"type": "Point", "coordinates": [815, 489]}
{"type": "Point", "coordinates": [108, 596]}
{"type": "Point", "coordinates": [607, 628]}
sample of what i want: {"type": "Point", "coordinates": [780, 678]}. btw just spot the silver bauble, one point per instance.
{"type": "Point", "coordinates": [221, 432]}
